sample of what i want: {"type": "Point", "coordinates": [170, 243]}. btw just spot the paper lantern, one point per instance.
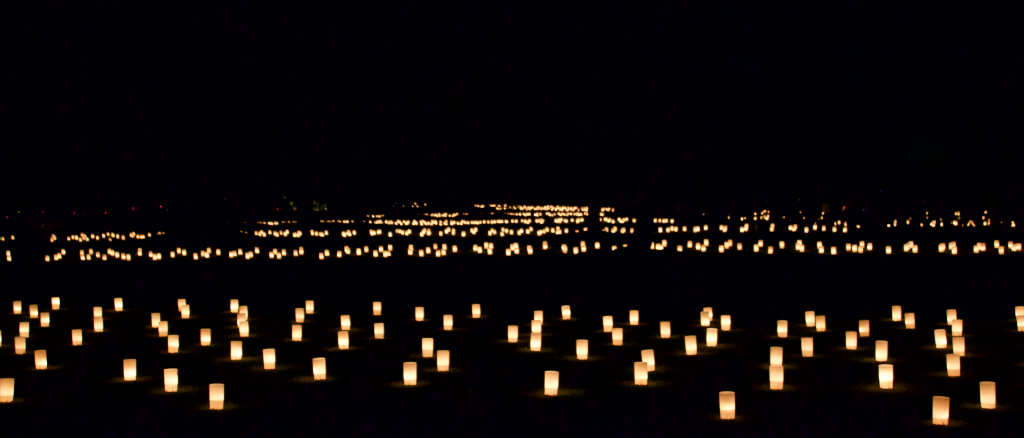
{"type": "Point", "coordinates": [712, 337]}
{"type": "Point", "coordinates": [864, 328]}
{"type": "Point", "coordinates": [885, 376]}
{"type": "Point", "coordinates": [216, 396]}
{"type": "Point", "coordinates": [236, 350]}
{"type": "Point", "coordinates": [897, 313]}
{"type": "Point", "coordinates": [1020, 323]}
{"type": "Point", "coordinates": [782, 328]}
{"type": "Point", "coordinates": [19, 345]}
{"type": "Point", "coordinates": [447, 322]}
{"type": "Point", "coordinates": [40, 356]}
{"type": "Point", "coordinates": [297, 332]}
{"type": "Point", "coordinates": [535, 341]}
{"type": "Point", "coordinates": [940, 410]}
{"type": "Point", "coordinates": [378, 330]}
{"type": "Point", "coordinates": [244, 310]}
{"type": "Point", "coordinates": [409, 373]}
{"type": "Point", "coordinates": [428, 347]}
{"type": "Point", "coordinates": [988, 395]}
{"type": "Point", "coordinates": [551, 383]}
{"type": "Point", "coordinates": [957, 328]}
{"type": "Point", "coordinates": [950, 315]}
{"type": "Point", "coordinates": [807, 347]}
{"type": "Point", "coordinates": [634, 317]}
{"type": "Point", "coordinates": [129, 370]}
{"type": "Point", "coordinates": [513, 334]}
{"type": "Point", "coordinates": [648, 357]}
{"type": "Point", "coordinates": [690, 343]}
{"type": "Point", "coordinates": [309, 307]}
{"type": "Point", "coordinates": [606, 321]}
{"type": "Point", "coordinates": [443, 360]}
{"type": "Point", "coordinates": [233, 305]}
{"type": "Point", "coordinates": [851, 340]}
{"type": "Point", "coordinates": [346, 322]}
{"type": "Point", "coordinates": [118, 304]}
{"type": "Point", "coordinates": [538, 315]}
{"type": "Point", "coordinates": [181, 303]}
{"type": "Point", "coordinates": [54, 303]}
{"type": "Point", "coordinates": [23, 329]}
{"type": "Point", "coordinates": [640, 373]}
{"type": "Point", "coordinates": [776, 356]}
{"type": "Point", "coordinates": [343, 340]}
{"type": "Point", "coordinates": [911, 321]}
{"type": "Point", "coordinates": [97, 311]}
{"type": "Point", "coordinates": [300, 315]}
{"type": "Point", "coordinates": [727, 405]}
{"type": "Point", "coordinates": [958, 345]}
{"type": "Point", "coordinates": [666, 329]}
{"type": "Point", "coordinates": [819, 323]}
{"type": "Point", "coordinates": [726, 322]}
{"type": "Point", "coordinates": [154, 320]}
{"type": "Point", "coordinates": [44, 319]}
{"type": "Point", "coordinates": [376, 308]}
{"type": "Point", "coordinates": [940, 338]}
{"type": "Point", "coordinates": [33, 311]}
{"type": "Point", "coordinates": [319, 368]}
{"type": "Point", "coordinates": [185, 311]}
{"type": "Point", "coordinates": [881, 351]}
{"type": "Point", "coordinates": [566, 313]}
{"type": "Point", "coordinates": [162, 329]}
{"type": "Point", "coordinates": [476, 311]}
{"type": "Point", "coordinates": [617, 336]}
{"type": "Point", "coordinates": [582, 349]}
{"type": "Point", "coordinates": [1018, 311]}
{"type": "Point", "coordinates": [97, 324]}
{"type": "Point", "coordinates": [419, 314]}
{"type": "Point", "coordinates": [776, 377]}
{"type": "Point", "coordinates": [269, 358]}
{"type": "Point", "coordinates": [170, 379]}
{"type": "Point", "coordinates": [711, 314]}
{"type": "Point", "coordinates": [953, 365]}
{"type": "Point", "coordinates": [6, 390]}
{"type": "Point", "coordinates": [76, 337]}
{"type": "Point", "coordinates": [17, 307]}
{"type": "Point", "coordinates": [172, 344]}
{"type": "Point", "coordinates": [204, 337]}
{"type": "Point", "coordinates": [705, 319]}
{"type": "Point", "coordinates": [535, 326]}
{"type": "Point", "coordinates": [809, 318]}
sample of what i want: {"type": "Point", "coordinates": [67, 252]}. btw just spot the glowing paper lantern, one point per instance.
{"type": "Point", "coordinates": [297, 332]}
{"type": "Point", "coordinates": [513, 334]}
{"type": "Point", "coordinates": [181, 303]}
{"type": "Point", "coordinates": [171, 380]}
{"type": "Point", "coordinates": [269, 358]}
{"type": "Point", "coordinates": [958, 345]}
{"type": "Point", "coordinates": [129, 370]}
{"type": "Point", "coordinates": [23, 329]}
{"type": "Point", "coordinates": [476, 311]}
{"type": "Point", "coordinates": [204, 337]}
{"type": "Point", "coordinates": [712, 337]}
{"type": "Point", "coordinates": [864, 328]}
{"type": "Point", "coordinates": [727, 405]}
{"type": "Point", "coordinates": [640, 373]}
{"type": "Point", "coordinates": [118, 304]}
{"type": "Point", "coordinates": [319, 368]}
{"type": "Point", "coordinates": [419, 314]}
{"type": "Point", "coordinates": [782, 328]}
{"type": "Point", "coordinates": [244, 310]}
{"type": "Point", "coordinates": [776, 356]}
{"type": "Point", "coordinates": [897, 313]}
{"type": "Point", "coordinates": [216, 396]}
{"type": "Point", "coordinates": [809, 318]}
{"type": "Point", "coordinates": [634, 317]}
{"type": "Point", "coordinates": [44, 319]}
{"type": "Point", "coordinates": [940, 338]}
{"type": "Point", "coordinates": [185, 311]}
{"type": "Point", "coordinates": [300, 315]}
{"type": "Point", "coordinates": [988, 395]}
{"type": "Point", "coordinates": [535, 326]}
{"type": "Point", "coordinates": [378, 330]}
{"type": "Point", "coordinates": [97, 311]}
{"type": "Point", "coordinates": [606, 321]}
{"type": "Point", "coordinates": [617, 336]}
{"type": "Point", "coordinates": [807, 347]}
{"type": "Point", "coordinates": [309, 307]}
{"type": "Point", "coordinates": [409, 373]}
{"type": "Point", "coordinates": [705, 319]}
{"type": "Point", "coordinates": [582, 349]}
{"type": "Point", "coordinates": [940, 410]}
{"type": "Point", "coordinates": [648, 357]}
{"type": "Point", "coordinates": [19, 345]}
{"type": "Point", "coordinates": [851, 340]}
{"type": "Point", "coordinates": [666, 329]}
{"type": "Point", "coordinates": [957, 327]}
{"type": "Point", "coordinates": [819, 323]}
{"type": "Point", "coordinates": [726, 322]}
{"type": "Point", "coordinates": [233, 305]}
{"type": "Point", "coordinates": [6, 390]}
{"type": "Point", "coordinates": [950, 315]}
{"type": "Point", "coordinates": [776, 377]}
{"type": "Point", "coordinates": [97, 324]}
{"type": "Point", "coordinates": [566, 313]}
{"type": "Point", "coordinates": [154, 320]}
{"type": "Point", "coordinates": [428, 347]}
{"type": "Point", "coordinates": [953, 365]}
{"type": "Point", "coordinates": [162, 329]}
{"type": "Point", "coordinates": [343, 340]}
{"type": "Point", "coordinates": [243, 329]}
{"type": "Point", "coordinates": [376, 308]}
{"type": "Point", "coordinates": [710, 313]}
{"type": "Point", "coordinates": [172, 344]}
{"type": "Point", "coordinates": [33, 311]}
{"type": "Point", "coordinates": [236, 350]}
{"type": "Point", "coordinates": [551, 383]}
{"type": "Point", "coordinates": [448, 321]}
{"type": "Point", "coordinates": [691, 344]}
{"type": "Point", "coordinates": [535, 341]}
{"type": "Point", "coordinates": [910, 321]}
{"type": "Point", "coordinates": [76, 337]}
{"type": "Point", "coordinates": [443, 360]}
{"type": "Point", "coordinates": [17, 307]}
{"type": "Point", "coordinates": [54, 303]}
{"type": "Point", "coordinates": [881, 351]}
{"type": "Point", "coordinates": [40, 356]}
{"type": "Point", "coordinates": [1018, 311]}
{"type": "Point", "coordinates": [885, 376]}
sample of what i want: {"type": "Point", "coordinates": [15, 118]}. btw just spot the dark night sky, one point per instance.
{"type": "Point", "coordinates": [685, 103]}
